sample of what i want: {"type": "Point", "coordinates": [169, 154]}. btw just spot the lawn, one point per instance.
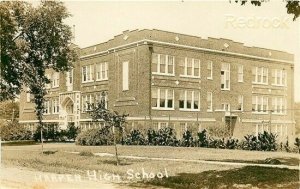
{"type": "Point", "coordinates": [180, 174]}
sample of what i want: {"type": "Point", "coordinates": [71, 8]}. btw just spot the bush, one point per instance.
{"type": "Point", "coordinates": [163, 137]}
{"type": "Point", "coordinates": [14, 131]}
{"type": "Point", "coordinates": [95, 137]}
{"type": "Point", "coordinates": [203, 139]}
{"type": "Point", "coordinates": [264, 142]}
{"type": "Point", "coordinates": [187, 139]}
{"type": "Point", "coordinates": [86, 153]}
{"type": "Point", "coordinates": [71, 132]}
{"type": "Point", "coordinates": [135, 137]}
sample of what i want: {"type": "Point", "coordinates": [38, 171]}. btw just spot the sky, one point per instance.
{"type": "Point", "coordinates": [267, 26]}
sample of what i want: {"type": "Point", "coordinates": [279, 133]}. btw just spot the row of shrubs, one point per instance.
{"type": "Point", "coordinates": [167, 137]}
{"type": "Point", "coordinates": [12, 131]}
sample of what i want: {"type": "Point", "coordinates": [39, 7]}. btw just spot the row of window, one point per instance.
{"type": "Point", "coordinates": [190, 67]}
{"type": "Point", "coordinates": [279, 129]}
{"type": "Point", "coordinates": [89, 99]}
{"type": "Point", "coordinates": [101, 72]}
{"type": "Point", "coordinates": [260, 104]}
{"type": "Point", "coordinates": [51, 106]}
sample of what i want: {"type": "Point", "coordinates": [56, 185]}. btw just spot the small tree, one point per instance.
{"type": "Point", "coordinates": [113, 119]}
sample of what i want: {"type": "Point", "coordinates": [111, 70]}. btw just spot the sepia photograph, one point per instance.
{"type": "Point", "coordinates": [175, 94]}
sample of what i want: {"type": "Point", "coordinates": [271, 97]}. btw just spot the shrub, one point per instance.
{"type": "Point", "coordinates": [71, 132]}
{"type": "Point", "coordinates": [264, 142]}
{"type": "Point", "coordinates": [163, 137]}
{"type": "Point", "coordinates": [95, 137]}
{"type": "Point", "coordinates": [135, 137]}
{"type": "Point", "coordinates": [203, 139]}
{"type": "Point", "coordinates": [14, 131]}
{"type": "Point", "coordinates": [86, 153]}
{"type": "Point", "coordinates": [187, 139]}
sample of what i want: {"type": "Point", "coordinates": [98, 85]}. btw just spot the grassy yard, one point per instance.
{"type": "Point", "coordinates": [180, 174]}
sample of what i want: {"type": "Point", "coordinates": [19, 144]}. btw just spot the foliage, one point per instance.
{"type": "Point", "coordinates": [95, 137]}
{"type": "Point", "coordinates": [203, 138]}
{"type": "Point", "coordinates": [135, 137]}
{"type": "Point", "coordinates": [71, 132]}
{"type": "Point", "coordinates": [297, 144]}
{"type": "Point", "coordinates": [14, 131]}
{"type": "Point", "coordinates": [163, 137]}
{"type": "Point", "coordinates": [187, 139]}
{"type": "Point", "coordinates": [86, 153]}
{"type": "Point", "coordinates": [9, 110]}
{"type": "Point", "coordinates": [264, 142]}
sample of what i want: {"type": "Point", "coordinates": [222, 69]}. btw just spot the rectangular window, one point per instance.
{"type": "Point", "coordinates": [163, 64]}
{"type": "Point", "coordinates": [209, 102]}
{"type": "Point", "coordinates": [225, 76]}
{"type": "Point", "coordinates": [259, 104]}
{"type": "Point", "coordinates": [260, 75]}
{"type": "Point", "coordinates": [191, 68]}
{"type": "Point", "coordinates": [225, 106]}
{"type": "Point", "coordinates": [189, 100]}
{"type": "Point", "coordinates": [102, 96]}
{"type": "Point", "coordinates": [47, 107]}
{"type": "Point", "coordinates": [241, 102]}
{"type": "Point", "coordinates": [55, 80]}
{"type": "Point", "coordinates": [55, 106]}
{"type": "Point", "coordinates": [125, 76]}
{"type": "Point", "coordinates": [162, 98]}
{"type": "Point", "coordinates": [210, 70]}
{"type": "Point", "coordinates": [87, 73]}
{"type": "Point", "coordinates": [240, 73]}
{"type": "Point", "coordinates": [279, 77]}
{"type": "Point", "coordinates": [279, 105]}
{"type": "Point", "coordinates": [87, 101]}
{"type": "Point", "coordinates": [101, 71]}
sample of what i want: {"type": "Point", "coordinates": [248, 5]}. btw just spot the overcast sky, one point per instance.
{"type": "Point", "coordinates": [267, 26]}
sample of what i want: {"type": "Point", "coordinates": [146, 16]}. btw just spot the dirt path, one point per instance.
{"type": "Point", "coordinates": [23, 178]}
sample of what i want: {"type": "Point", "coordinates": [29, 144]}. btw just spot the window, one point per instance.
{"type": "Point", "coordinates": [240, 73]}
{"type": "Point", "coordinates": [279, 105]}
{"type": "Point", "coordinates": [259, 104]}
{"type": "Point", "coordinates": [55, 106]}
{"type": "Point", "coordinates": [279, 77]}
{"type": "Point", "coordinates": [47, 107]}
{"type": "Point", "coordinates": [87, 100]}
{"type": "Point", "coordinates": [189, 100]}
{"type": "Point", "coordinates": [55, 80]}
{"type": "Point", "coordinates": [69, 77]}
{"type": "Point", "coordinates": [241, 102]}
{"type": "Point", "coordinates": [210, 70]}
{"type": "Point", "coordinates": [101, 71]}
{"type": "Point", "coordinates": [190, 67]}
{"type": "Point", "coordinates": [125, 76]}
{"type": "Point", "coordinates": [225, 76]}
{"type": "Point", "coordinates": [87, 73]}
{"type": "Point", "coordinates": [225, 106]}
{"type": "Point", "coordinates": [102, 96]}
{"type": "Point", "coordinates": [260, 75]}
{"type": "Point", "coordinates": [163, 98]}
{"type": "Point", "coordinates": [163, 64]}
{"type": "Point", "coordinates": [209, 102]}
{"type": "Point", "coordinates": [48, 85]}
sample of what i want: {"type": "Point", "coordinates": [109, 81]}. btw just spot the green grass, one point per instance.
{"type": "Point", "coordinates": [249, 176]}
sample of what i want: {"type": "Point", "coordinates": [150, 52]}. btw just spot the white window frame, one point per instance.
{"type": "Point", "coordinates": [226, 69]}
{"type": "Point", "coordinates": [240, 73]}
{"type": "Point", "coordinates": [210, 70]}
{"type": "Point", "coordinates": [87, 98]}
{"type": "Point", "coordinates": [192, 103]}
{"type": "Point", "coordinates": [100, 70]}
{"type": "Point", "coordinates": [47, 107]}
{"type": "Point", "coordinates": [282, 103]}
{"type": "Point", "coordinates": [193, 68]}
{"type": "Point", "coordinates": [158, 72]}
{"type": "Point", "coordinates": [241, 102]}
{"type": "Point", "coordinates": [166, 99]}
{"type": "Point", "coordinates": [125, 76]}
{"type": "Point", "coordinates": [264, 71]}
{"type": "Point", "coordinates": [55, 106]}
{"type": "Point", "coordinates": [99, 96]}
{"type": "Point", "coordinates": [55, 80]}
{"type": "Point", "coordinates": [259, 101]}
{"type": "Point", "coordinates": [282, 74]}
{"type": "Point", "coordinates": [69, 77]}
{"type": "Point", "coordinates": [88, 76]}
{"type": "Point", "coordinates": [209, 99]}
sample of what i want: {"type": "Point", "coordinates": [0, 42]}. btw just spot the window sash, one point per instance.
{"type": "Point", "coordinates": [163, 64]}
{"type": "Point", "coordinates": [163, 98]}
